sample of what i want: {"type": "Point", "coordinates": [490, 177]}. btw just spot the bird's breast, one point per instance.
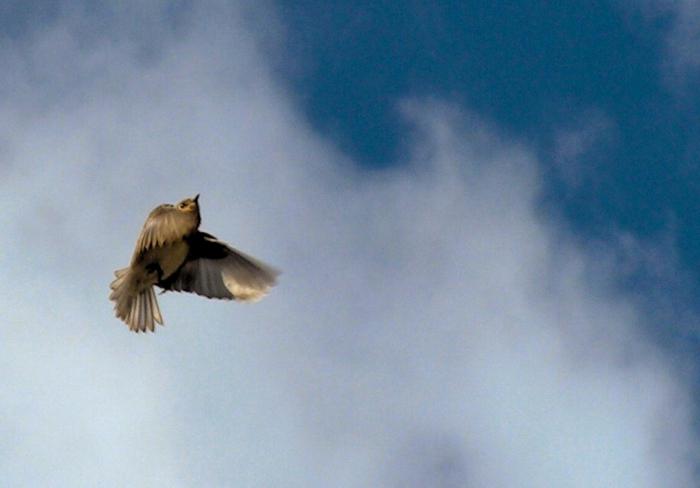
{"type": "Point", "coordinates": [168, 258]}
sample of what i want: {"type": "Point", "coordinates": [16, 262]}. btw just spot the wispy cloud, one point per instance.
{"type": "Point", "coordinates": [429, 329]}
{"type": "Point", "coordinates": [578, 148]}
{"type": "Point", "coordinates": [679, 23]}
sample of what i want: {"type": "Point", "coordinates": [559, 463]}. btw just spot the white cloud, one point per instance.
{"type": "Point", "coordinates": [429, 330]}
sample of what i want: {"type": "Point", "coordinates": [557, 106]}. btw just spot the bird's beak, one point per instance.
{"type": "Point", "coordinates": [196, 198]}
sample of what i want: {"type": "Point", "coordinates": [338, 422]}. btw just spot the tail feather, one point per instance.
{"type": "Point", "coordinates": [148, 314]}
{"type": "Point", "coordinates": [138, 308]}
{"type": "Point", "coordinates": [155, 309]}
{"type": "Point", "coordinates": [146, 317]}
{"type": "Point", "coordinates": [136, 314]}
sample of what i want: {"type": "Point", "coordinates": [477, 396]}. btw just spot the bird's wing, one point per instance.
{"type": "Point", "coordinates": [165, 224]}
{"type": "Point", "coordinates": [216, 270]}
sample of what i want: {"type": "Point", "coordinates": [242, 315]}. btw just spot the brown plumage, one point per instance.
{"type": "Point", "coordinates": [173, 254]}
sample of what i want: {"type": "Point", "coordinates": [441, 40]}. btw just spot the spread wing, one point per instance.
{"type": "Point", "coordinates": [165, 224]}
{"type": "Point", "coordinates": [216, 270]}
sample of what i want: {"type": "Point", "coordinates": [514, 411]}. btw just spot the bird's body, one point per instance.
{"type": "Point", "coordinates": [173, 254]}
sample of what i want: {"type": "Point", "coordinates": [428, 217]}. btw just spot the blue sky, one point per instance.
{"type": "Point", "coordinates": [484, 212]}
{"type": "Point", "coordinates": [530, 68]}
{"type": "Point", "coordinates": [537, 72]}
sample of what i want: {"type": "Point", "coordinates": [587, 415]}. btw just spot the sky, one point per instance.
{"type": "Point", "coordinates": [484, 215]}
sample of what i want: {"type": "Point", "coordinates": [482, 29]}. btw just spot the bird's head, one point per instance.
{"type": "Point", "coordinates": [189, 205]}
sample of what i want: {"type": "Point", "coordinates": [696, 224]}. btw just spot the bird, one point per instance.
{"type": "Point", "coordinates": [174, 255]}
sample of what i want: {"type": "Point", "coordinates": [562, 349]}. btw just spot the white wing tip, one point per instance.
{"type": "Point", "coordinates": [246, 293]}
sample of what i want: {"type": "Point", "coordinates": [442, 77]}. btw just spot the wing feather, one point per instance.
{"type": "Point", "coordinates": [216, 270]}
{"type": "Point", "coordinates": [165, 224]}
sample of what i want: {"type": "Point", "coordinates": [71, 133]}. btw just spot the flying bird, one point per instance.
{"type": "Point", "coordinates": [173, 254]}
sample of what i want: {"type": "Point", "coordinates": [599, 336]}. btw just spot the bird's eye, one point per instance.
{"type": "Point", "coordinates": [182, 205]}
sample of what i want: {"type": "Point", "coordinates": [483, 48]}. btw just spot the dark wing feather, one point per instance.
{"type": "Point", "coordinates": [216, 270]}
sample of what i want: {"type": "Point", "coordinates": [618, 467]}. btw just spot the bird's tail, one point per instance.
{"type": "Point", "coordinates": [139, 309]}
